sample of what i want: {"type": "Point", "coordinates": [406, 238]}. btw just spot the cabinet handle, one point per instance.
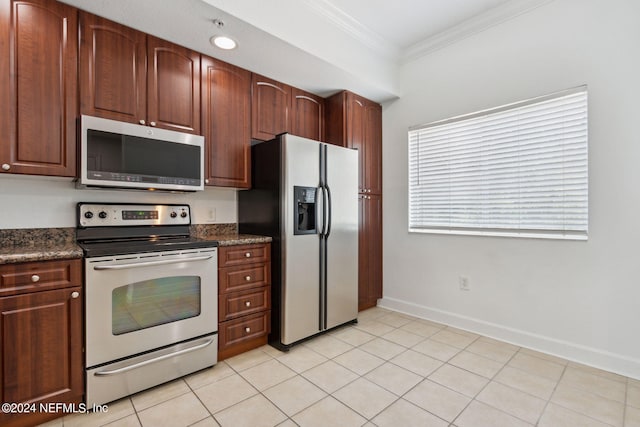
{"type": "Point", "coordinates": [6, 166]}
{"type": "Point", "coordinates": [152, 123]}
{"type": "Point", "coordinates": [75, 294]}
{"type": "Point", "coordinates": [247, 329]}
{"type": "Point", "coordinates": [247, 278]}
{"type": "Point", "coordinates": [247, 255]}
{"type": "Point", "coordinates": [142, 122]}
{"type": "Point", "coordinates": [247, 303]}
{"type": "Point", "coordinates": [35, 278]}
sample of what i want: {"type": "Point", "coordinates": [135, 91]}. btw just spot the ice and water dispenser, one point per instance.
{"type": "Point", "coordinates": [304, 210]}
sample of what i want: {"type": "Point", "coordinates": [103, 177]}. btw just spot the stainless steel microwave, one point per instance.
{"type": "Point", "coordinates": [130, 156]}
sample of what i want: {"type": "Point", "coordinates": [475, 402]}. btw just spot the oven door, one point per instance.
{"type": "Point", "coordinates": [141, 302]}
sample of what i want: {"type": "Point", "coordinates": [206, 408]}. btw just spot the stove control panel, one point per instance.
{"type": "Point", "coordinates": [118, 215]}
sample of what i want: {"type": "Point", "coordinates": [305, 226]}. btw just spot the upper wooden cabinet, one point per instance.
{"type": "Point", "coordinates": [226, 123]}
{"type": "Point", "coordinates": [129, 76]}
{"type": "Point", "coordinates": [356, 122]}
{"type": "Point", "coordinates": [173, 86]}
{"type": "Point", "coordinates": [277, 108]}
{"type": "Point", "coordinates": [38, 87]}
{"type": "Point", "coordinates": [270, 107]}
{"type": "Point", "coordinates": [307, 115]}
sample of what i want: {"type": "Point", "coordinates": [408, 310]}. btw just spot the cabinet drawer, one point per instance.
{"type": "Point", "coordinates": [241, 278]}
{"type": "Point", "coordinates": [243, 303]}
{"type": "Point", "coordinates": [39, 276]}
{"type": "Point", "coordinates": [235, 332]}
{"type": "Point", "coordinates": [229, 256]}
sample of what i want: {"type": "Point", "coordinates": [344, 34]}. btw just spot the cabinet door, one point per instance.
{"type": "Point", "coordinates": [373, 151]}
{"type": "Point", "coordinates": [307, 112]}
{"type": "Point", "coordinates": [38, 87]}
{"type": "Point", "coordinates": [173, 86]}
{"type": "Point", "coordinates": [335, 120]}
{"type": "Point", "coordinates": [113, 70]}
{"type": "Point", "coordinates": [369, 251]}
{"type": "Point", "coordinates": [226, 123]}
{"type": "Point", "coordinates": [270, 105]}
{"type": "Point", "coordinates": [41, 350]}
{"type": "Point", "coordinates": [356, 134]}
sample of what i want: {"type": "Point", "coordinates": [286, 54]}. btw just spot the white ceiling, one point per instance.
{"type": "Point", "coordinates": [318, 45]}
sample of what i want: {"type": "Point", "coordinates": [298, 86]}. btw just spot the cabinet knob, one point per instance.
{"type": "Point", "coordinates": [6, 166]}
{"type": "Point", "coordinates": [206, 181]}
{"type": "Point", "coordinates": [247, 255]}
{"type": "Point", "coordinates": [368, 190]}
{"type": "Point", "coordinates": [247, 329]}
{"type": "Point", "coordinates": [35, 278]}
{"type": "Point", "coordinates": [247, 278]}
{"type": "Point", "coordinates": [152, 123]}
{"type": "Point", "coordinates": [75, 294]}
{"type": "Point", "coordinates": [247, 303]}
{"type": "Point", "coordinates": [142, 122]}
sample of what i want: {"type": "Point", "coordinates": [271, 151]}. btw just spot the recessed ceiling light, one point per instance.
{"type": "Point", "coordinates": [223, 42]}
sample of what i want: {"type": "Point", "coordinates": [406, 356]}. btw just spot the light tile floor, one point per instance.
{"type": "Point", "coordinates": [388, 370]}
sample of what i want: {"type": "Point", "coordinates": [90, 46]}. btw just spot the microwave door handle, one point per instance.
{"type": "Point", "coordinates": [149, 263]}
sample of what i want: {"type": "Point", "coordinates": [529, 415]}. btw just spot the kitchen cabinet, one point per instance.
{"type": "Point", "coordinates": [270, 107]}
{"type": "Point", "coordinates": [40, 337]}
{"type": "Point", "coordinates": [356, 122]}
{"type": "Point", "coordinates": [130, 76]}
{"type": "Point", "coordinates": [226, 123]}
{"type": "Point", "coordinates": [244, 298]}
{"type": "Point", "coordinates": [307, 113]}
{"type": "Point", "coordinates": [38, 87]}
{"type": "Point", "coordinates": [278, 108]}
{"type": "Point", "coordinates": [369, 250]}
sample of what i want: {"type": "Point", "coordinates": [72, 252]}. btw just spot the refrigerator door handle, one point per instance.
{"type": "Point", "coordinates": [321, 206]}
{"type": "Point", "coordinates": [328, 219]}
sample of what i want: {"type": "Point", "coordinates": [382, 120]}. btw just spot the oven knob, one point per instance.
{"type": "Point", "coordinates": [102, 214]}
{"type": "Point", "coordinates": [173, 214]}
{"type": "Point", "coordinates": [183, 214]}
{"type": "Point", "coordinates": [88, 214]}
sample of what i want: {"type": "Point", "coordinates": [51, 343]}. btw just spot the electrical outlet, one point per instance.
{"type": "Point", "coordinates": [464, 283]}
{"type": "Point", "coordinates": [211, 215]}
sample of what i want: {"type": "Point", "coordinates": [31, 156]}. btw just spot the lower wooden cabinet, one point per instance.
{"type": "Point", "coordinates": [369, 251]}
{"type": "Point", "coordinates": [244, 298]}
{"type": "Point", "coordinates": [40, 338]}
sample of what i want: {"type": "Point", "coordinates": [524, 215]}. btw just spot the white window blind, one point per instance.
{"type": "Point", "coordinates": [520, 169]}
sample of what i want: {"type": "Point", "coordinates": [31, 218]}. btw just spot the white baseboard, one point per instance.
{"type": "Point", "coordinates": [594, 357]}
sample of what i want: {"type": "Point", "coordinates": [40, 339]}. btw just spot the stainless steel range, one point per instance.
{"type": "Point", "coordinates": [151, 297]}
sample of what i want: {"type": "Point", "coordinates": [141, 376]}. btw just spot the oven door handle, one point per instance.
{"type": "Point", "coordinates": [154, 360]}
{"type": "Point", "coordinates": [148, 263]}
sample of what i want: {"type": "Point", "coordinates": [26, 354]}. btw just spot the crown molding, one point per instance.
{"type": "Point", "coordinates": [354, 28]}
{"type": "Point", "coordinates": [478, 23]}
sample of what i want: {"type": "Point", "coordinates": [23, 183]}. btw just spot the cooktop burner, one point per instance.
{"type": "Point", "coordinates": [118, 229]}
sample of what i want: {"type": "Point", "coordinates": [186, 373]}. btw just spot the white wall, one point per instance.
{"type": "Point", "coordinates": [580, 300]}
{"type": "Point", "coordinates": [41, 202]}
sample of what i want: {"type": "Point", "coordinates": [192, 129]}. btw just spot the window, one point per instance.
{"type": "Point", "coordinates": [515, 170]}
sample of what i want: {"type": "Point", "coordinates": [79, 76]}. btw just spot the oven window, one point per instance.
{"type": "Point", "coordinates": [154, 302]}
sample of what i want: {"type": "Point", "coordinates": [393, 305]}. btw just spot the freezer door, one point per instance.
{"type": "Point", "coordinates": [342, 241]}
{"type": "Point", "coordinates": [300, 298]}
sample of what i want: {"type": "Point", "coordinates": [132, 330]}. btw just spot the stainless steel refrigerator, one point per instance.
{"type": "Point", "coordinates": [305, 196]}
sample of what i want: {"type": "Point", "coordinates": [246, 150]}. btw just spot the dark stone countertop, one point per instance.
{"type": "Point", "coordinates": [42, 244]}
